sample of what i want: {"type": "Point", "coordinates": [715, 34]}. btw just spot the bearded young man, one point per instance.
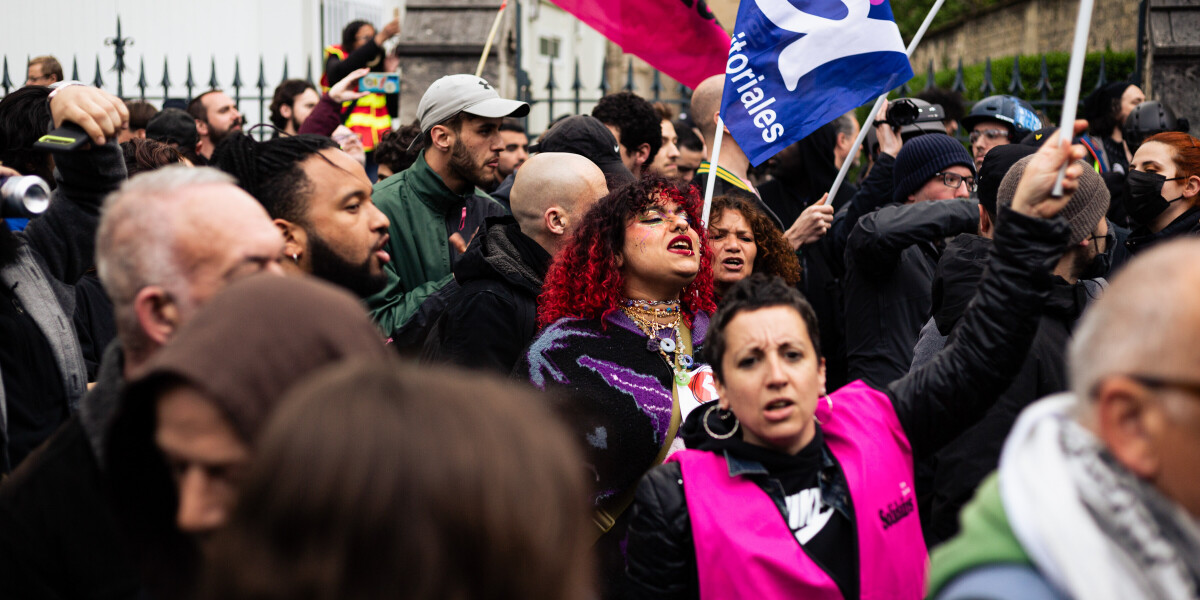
{"type": "Point", "coordinates": [434, 206]}
{"type": "Point", "coordinates": [320, 200]}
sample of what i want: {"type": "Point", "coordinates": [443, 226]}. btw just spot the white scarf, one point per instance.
{"type": "Point", "coordinates": [1091, 527]}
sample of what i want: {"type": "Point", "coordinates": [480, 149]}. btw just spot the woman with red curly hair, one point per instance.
{"type": "Point", "coordinates": [746, 241]}
{"type": "Point", "coordinates": [624, 308]}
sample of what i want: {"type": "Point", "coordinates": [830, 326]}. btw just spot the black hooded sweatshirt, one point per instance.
{"type": "Point", "coordinates": [492, 316]}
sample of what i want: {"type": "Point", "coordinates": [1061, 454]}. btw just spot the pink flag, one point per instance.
{"type": "Point", "coordinates": [678, 37]}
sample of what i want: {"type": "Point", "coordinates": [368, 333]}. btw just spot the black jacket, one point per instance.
{"type": "Point", "coordinates": [890, 259]}
{"type": "Point", "coordinates": [1186, 224]}
{"type": "Point", "coordinates": [492, 316]}
{"type": "Point", "coordinates": [961, 466]}
{"type": "Point", "coordinates": [58, 535]}
{"type": "Point", "coordinates": [933, 403]}
{"type": "Point", "coordinates": [821, 264]}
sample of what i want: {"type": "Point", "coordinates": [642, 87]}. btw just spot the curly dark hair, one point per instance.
{"type": "Point", "coordinates": [752, 293]}
{"type": "Point", "coordinates": [636, 119]}
{"type": "Point", "coordinates": [1102, 107]}
{"type": "Point", "coordinates": [392, 149]}
{"type": "Point", "coordinates": [775, 255]}
{"type": "Point", "coordinates": [349, 32]}
{"type": "Point", "coordinates": [285, 95]}
{"type": "Point", "coordinates": [271, 172]}
{"type": "Point", "coordinates": [584, 280]}
{"type": "Point", "coordinates": [143, 155]}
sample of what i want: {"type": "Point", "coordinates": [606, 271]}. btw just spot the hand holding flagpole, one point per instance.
{"type": "Point", "coordinates": [862, 132]}
{"type": "Point", "coordinates": [1074, 75]}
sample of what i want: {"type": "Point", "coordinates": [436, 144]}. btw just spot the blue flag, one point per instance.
{"type": "Point", "coordinates": [795, 65]}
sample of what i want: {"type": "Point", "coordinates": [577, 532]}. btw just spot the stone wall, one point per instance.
{"type": "Point", "coordinates": [1027, 27]}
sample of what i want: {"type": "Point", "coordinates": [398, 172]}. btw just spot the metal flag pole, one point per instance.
{"type": "Point", "coordinates": [1074, 75]}
{"type": "Point", "coordinates": [862, 131]}
{"type": "Point", "coordinates": [712, 171]}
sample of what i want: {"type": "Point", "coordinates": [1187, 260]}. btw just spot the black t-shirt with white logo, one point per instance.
{"type": "Point", "coordinates": [812, 483]}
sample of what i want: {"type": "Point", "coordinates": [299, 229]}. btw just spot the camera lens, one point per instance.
{"type": "Point", "coordinates": [23, 196]}
{"type": "Point", "coordinates": [902, 112]}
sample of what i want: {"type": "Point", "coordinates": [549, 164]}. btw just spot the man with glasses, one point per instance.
{"type": "Point", "coordinates": [1078, 280]}
{"type": "Point", "coordinates": [891, 255]}
{"type": "Point", "coordinates": [43, 70]}
{"type": "Point", "coordinates": [1096, 495]}
{"type": "Point", "coordinates": [998, 121]}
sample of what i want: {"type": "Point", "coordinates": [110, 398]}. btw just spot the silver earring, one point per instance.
{"type": "Point", "coordinates": [723, 417]}
{"type": "Point", "coordinates": [296, 258]}
{"type": "Point", "coordinates": [830, 401]}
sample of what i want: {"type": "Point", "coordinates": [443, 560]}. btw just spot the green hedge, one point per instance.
{"type": "Point", "coordinates": [1117, 66]}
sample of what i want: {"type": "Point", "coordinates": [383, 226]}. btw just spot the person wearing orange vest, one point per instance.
{"type": "Point", "coordinates": [371, 115]}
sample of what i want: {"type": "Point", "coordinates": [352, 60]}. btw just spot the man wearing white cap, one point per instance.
{"type": "Point", "coordinates": [433, 207]}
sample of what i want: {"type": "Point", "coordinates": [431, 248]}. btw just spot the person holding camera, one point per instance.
{"type": "Point", "coordinates": [891, 255]}
{"type": "Point", "coordinates": [42, 372]}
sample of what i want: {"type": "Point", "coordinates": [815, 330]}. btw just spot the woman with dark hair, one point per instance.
{"type": "Point", "coordinates": [786, 491]}
{"type": "Point", "coordinates": [746, 241]}
{"type": "Point", "coordinates": [1163, 190]}
{"type": "Point", "coordinates": [335, 506]}
{"type": "Point", "coordinates": [187, 424]}
{"type": "Point", "coordinates": [1106, 110]}
{"type": "Point", "coordinates": [362, 47]}
{"type": "Point", "coordinates": [624, 306]}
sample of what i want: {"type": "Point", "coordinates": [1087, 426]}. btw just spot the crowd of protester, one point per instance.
{"type": "Point", "coordinates": [454, 359]}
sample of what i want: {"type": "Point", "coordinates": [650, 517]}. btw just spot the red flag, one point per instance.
{"type": "Point", "coordinates": [678, 37]}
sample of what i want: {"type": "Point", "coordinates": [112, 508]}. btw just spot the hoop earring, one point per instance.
{"type": "Point", "coordinates": [830, 401]}
{"type": "Point", "coordinates": [708, 429]}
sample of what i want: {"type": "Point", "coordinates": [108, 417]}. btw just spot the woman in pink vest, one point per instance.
{"type": "Point", "coordinates": [789, 492]}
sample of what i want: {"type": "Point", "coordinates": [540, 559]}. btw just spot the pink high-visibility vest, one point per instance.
{"type": "Point", "coordinates": [744, 548]}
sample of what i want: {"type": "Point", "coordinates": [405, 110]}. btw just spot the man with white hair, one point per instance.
{"type": "Point", "coordinates": [168, 241]}
{"type": "Point", "coordinates": [1097, 495]}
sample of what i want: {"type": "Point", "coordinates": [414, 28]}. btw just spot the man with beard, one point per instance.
{"type": "Point", "coordinates": [320, 199]}
{"type": "Point", "coordinates": [42, 373]}
{"type": "Point", "coordinates": [217, 118]}
{"type": "Point", "coordinates": [294, 100]}
{"type": "Point", "coordinates": [433, 205]}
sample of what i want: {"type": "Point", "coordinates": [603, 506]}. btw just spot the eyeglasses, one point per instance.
{"type": "Point", "coordinates": [953, 180]}
{"type": "Point", "coordinates": [1158, 383]}
{"type": "Point", "coordinates": [1109, 238]}
{"type": "Point", "coordinates": [992, 134]}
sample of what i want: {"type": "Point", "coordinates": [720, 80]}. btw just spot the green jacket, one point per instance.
{"type": "Point", "coordinates": [986, 538]}
{"type": "Point", "coordinates": [423, 212]}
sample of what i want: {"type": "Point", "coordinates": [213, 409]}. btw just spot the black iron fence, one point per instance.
{"type": "Point", "coordinates": [1044, 73]}
{"type": "Point", "coordinates": [579, 94]}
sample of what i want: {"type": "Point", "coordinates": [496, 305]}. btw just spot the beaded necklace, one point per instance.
{"type": "Point", "coordinates": [641, 313]}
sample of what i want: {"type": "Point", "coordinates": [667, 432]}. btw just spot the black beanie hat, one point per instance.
{"type": "Point", "coordinates": [996, 164]}
{"type": "Point", "coordinates": [921, 158]}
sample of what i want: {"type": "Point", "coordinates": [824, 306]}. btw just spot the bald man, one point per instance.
{"type": "Point", "coordinates": [168, 241]}
{"type": "Point", "coordinates": [492, 317]}
{"type": "Point", "coordinates": [732, 178]}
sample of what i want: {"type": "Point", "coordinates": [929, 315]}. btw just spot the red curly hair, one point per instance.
{"type": "Point", "coordinates": [584, 280]}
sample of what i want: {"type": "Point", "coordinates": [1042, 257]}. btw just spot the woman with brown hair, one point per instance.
{"type": "Point", "coordinates": [745, 241]}
{"type": "Point", "coordinates": [376, 480]}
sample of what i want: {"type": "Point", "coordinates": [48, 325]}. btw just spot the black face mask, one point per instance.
{"type": "Point", "coordinates": [1144, 200]}
{"type": "Point", "coordinates": [1101, 264]}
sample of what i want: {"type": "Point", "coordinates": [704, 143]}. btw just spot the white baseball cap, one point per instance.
{"type": "Point", "coordinates": [473, 95]}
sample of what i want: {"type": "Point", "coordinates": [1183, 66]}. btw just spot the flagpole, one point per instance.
{"type": "Point", "coordinates": [1074, 75]}
{"type": "Point", "coordinates": [712, 171]}
{"type": "Point", "coordinates": [862, 131]}
{"type": "Point", "coordinates": [487, 47]}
